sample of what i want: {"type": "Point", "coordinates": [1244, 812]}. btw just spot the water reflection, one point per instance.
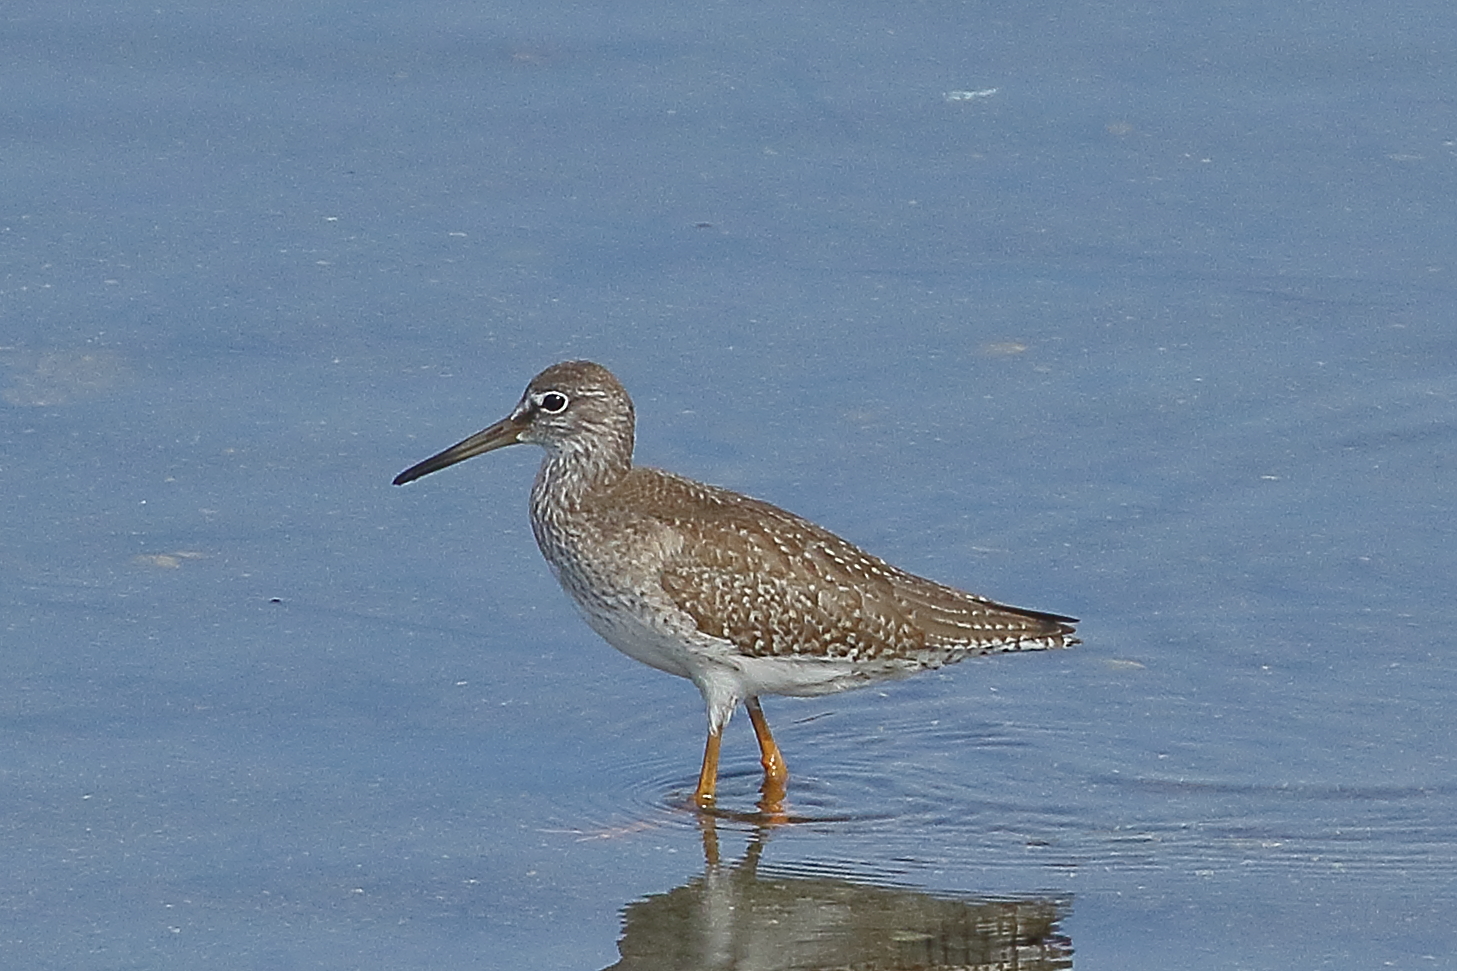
{"type": "Point", "coordinates": [734, 917]}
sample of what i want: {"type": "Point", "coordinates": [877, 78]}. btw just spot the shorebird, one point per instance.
{"type": "Point", "coordinates": [732, 593]}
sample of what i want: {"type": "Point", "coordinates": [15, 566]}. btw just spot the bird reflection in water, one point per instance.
{"type": "Point", "coordinates": [734, 917]}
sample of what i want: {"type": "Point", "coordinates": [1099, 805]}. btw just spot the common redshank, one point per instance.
{"type": "Point", "coordinates": [732, 593]}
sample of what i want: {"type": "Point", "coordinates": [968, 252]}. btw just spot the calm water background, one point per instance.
{"type": "Point", "coordinates": [1140, 313]}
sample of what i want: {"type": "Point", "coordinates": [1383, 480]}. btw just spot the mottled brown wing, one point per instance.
{"type": "Point", "coordinates": [774, 584]}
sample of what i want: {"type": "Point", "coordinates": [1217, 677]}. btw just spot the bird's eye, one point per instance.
{"type": "Point", "coordinates": [553, 402]}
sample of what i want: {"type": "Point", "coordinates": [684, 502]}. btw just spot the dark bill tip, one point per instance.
{"type": "Point", "coordinates": [505, 432]}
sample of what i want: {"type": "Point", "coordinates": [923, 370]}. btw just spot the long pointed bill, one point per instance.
{"type": "Point", "coordinates": [505, 432]}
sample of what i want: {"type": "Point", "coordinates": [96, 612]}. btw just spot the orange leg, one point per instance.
{"type": "Point", "coordinates": [708, 775]}
{"type": "Point", "coordinates": [776, 773]}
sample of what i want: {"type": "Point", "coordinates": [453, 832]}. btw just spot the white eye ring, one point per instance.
{"type": "Point", "coordinates": [552, 402]}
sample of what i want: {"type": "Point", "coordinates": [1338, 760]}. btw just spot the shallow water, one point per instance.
{"type": "Point", "coordinates": [1158, 333]}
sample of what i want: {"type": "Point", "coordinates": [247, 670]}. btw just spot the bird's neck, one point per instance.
{"type": "Point", "coordinates": [571, 473]}
{"type": "Point", "coordinates": [566, 482]}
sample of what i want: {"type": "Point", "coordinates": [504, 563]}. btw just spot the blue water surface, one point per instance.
{"type": "Point", "coordinates": [1140, 314]}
